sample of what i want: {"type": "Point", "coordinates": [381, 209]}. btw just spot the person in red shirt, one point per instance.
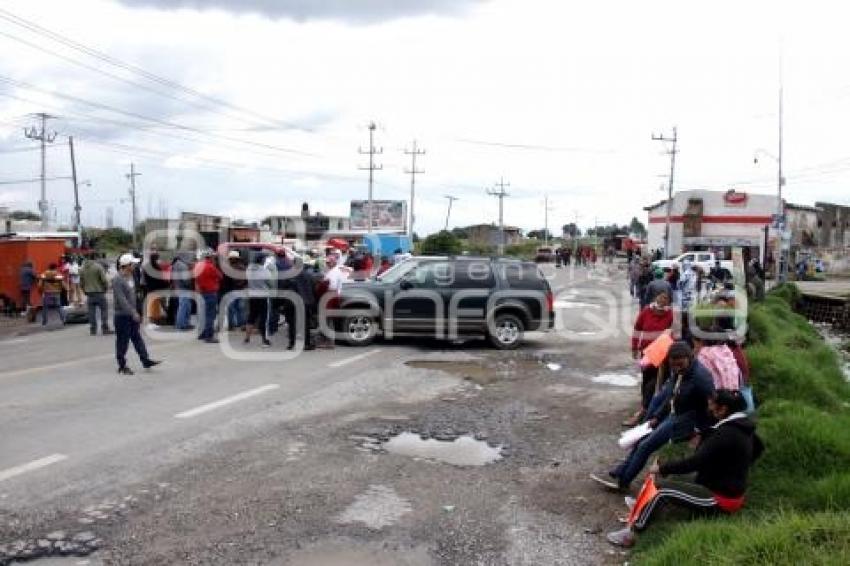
{"type": "Point", "coordinates": [207, 283]}
{"type": "Point", "coordinates": [653, 320]}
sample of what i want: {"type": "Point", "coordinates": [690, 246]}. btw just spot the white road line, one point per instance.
{"type": "Point", "coordinates": [31, 466]}
{"type": "Point", "coordinates": [14, 341]}
{"type": "Point", "coordinates": [352, 359]}
{"type": "Point", "coordinates": [70, 363]}
{"type": "Point", "coordinates": [226, 401]}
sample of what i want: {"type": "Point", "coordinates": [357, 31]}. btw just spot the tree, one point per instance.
{"type": "Point", "coordinates": [462, 233]}
{"type": "Point", "coordinates": [540, 234]}
{"type": "Point", "coordinates": [109, 240]}
{"type": "Point", "coordinates": [571, 230]}
{"type": "Point", "coordinates": [441, 243]}
{"type": "Point", "coordinates": [637, 228]}
{"type": "Point", "coordinates": [24, 215]}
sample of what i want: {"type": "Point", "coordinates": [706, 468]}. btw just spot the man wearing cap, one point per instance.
{"type": "Point", "coordinates": [127, 318]}
{"type": "Point", "coordinates": [679, 413]}
{"type": "Point", "coordinates": [208, 283]}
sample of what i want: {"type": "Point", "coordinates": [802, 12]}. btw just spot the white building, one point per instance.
{"type": "Point", "coordinates": [715, 221]}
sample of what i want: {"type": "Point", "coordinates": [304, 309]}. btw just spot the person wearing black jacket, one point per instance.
{"type": "Point", "coordinates": [302, 283]}
{"type": "Point", "coordinates": [721, 461]}
{"type": "Point", "coordinates": [681, 412]}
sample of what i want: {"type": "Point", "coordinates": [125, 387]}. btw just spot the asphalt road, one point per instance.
{"type": "Point", "coordinates": [74, 431]}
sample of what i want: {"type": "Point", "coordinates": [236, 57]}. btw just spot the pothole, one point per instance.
{"type": "Point", "coordinates": [462, 451]}
{"type": "Point", "coordinates": [476, 372]}
{"type": "Point", "coordinates": [617, 379]}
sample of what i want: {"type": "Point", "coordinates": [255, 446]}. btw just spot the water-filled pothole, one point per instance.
{"type": "Point", "coordinates": [462, 451]}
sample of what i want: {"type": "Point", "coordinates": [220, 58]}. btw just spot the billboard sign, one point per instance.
{"type": "Point", "coordinates": [386, 215]}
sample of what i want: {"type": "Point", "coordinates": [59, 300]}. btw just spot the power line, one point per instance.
{"type": "Point", "coordinates": [91, 52]}
{"type": "Point", "coordinates": [413, 171]}
{"type": "Point", "coordinates": [34, 180]}
{"type": "Point", "coordinates": [28, 86]}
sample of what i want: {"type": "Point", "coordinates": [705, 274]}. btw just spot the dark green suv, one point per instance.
{"type": "Point", "coordinates": [448, 298]}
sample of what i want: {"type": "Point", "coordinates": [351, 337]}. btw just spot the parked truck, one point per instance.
{"type": "Point", "coordinates": [706, 260]}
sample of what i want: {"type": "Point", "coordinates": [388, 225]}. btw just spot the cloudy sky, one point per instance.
{"type": "Point", "coordinates": [250, 107]}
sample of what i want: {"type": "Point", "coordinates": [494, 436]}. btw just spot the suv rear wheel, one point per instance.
{"type": "Point", "coordinates": [507, 331]}
{"type": "Point", "coordinates": [359, 330]}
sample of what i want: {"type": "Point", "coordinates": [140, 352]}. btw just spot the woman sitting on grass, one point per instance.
{"type": "Point", "coordinates": [721, 462]}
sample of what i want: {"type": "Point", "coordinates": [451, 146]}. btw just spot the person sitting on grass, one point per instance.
{"type": "Point", "coordinates": [681, 412]}
{"type": "Point", "coordinates": [722, 461]}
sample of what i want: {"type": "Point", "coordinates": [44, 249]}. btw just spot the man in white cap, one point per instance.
{"type": "Point", "coordinates": [127, 318]}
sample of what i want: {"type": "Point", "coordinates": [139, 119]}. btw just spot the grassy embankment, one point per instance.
{"type": "Point", "coordinates": [798, 508]}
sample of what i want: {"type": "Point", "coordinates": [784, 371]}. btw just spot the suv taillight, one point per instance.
{"type": "Point", "coordinates": [550, 301]}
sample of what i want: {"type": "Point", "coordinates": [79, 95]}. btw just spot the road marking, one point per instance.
{"type": "Point", "coordinates": [14, 341]}
{"type": "Point", "coordinates": [352, 359]}
{"type": "Point", "coordinates": [226, 401]}
{"type": "Point", "coordinates": [69, 363]}
{"type": "Point", "coordinates": [31, 466]}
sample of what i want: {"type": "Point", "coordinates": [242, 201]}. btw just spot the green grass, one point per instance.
{"type": "Point", "coordinates": [798, 504]}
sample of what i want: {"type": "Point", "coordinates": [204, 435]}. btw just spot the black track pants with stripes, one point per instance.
{"type": "Point", "coordinates": [685, 494]}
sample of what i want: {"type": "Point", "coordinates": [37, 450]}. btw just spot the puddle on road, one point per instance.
{"type": "Point", "coordinates": [463, 451]}
{"type": "Point", "coordinates": [476, 372]}
{"type": "Point", "coordinates": [618, 379]}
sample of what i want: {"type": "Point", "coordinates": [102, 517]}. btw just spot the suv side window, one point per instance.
{"type": "Point", "coordinates": [472, 274]}
{"type": "Point", "coordinates": [432, 275]}
{"type": "Point", "coordinates": [688, 257]}
{"type": "Point", "coordinates": [523, 276]}
{"type": "Point", "coordinates": [702, 258]}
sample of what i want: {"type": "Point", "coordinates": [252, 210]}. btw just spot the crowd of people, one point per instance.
{"type": "Point", "coordinates": [256, 292]}
{"type": "Point", "coordinates": [697, 391]}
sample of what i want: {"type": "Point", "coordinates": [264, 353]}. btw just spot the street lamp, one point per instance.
{"type": "Point", "coordinates": [782, 266]}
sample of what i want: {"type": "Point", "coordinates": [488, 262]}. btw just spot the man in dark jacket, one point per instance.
{"type": "Point", "coordinates": [645, 277]}
{"type": "Point", "coordinates": [721, 461]}
{"type": "Point", "coordinates": [685, 414]}
{"type": "Point", "coordinates": [300, 280]}
{"type": "Point", "coordinates": [28, 280]}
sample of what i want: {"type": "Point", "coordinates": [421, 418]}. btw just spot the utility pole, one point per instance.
{"type": "Point", "coordinates": [78, 226]}
{"type": "Point", "coordinates": [501, 194]}
{"type": "Point", "coordinates": [672, 153]}
{"type": "Point", "coordinates": [413, 153]}
{"type": "Point", "coordinates": [44, 137]}
{"type": "Point", "coordinates": [449, 211]}
{"type": "Point", "coordinates": [371, 168]}
{"type": "Point", "coordinates": [132, 176]}
{"type": "Point", "coordinates": [546, 210]}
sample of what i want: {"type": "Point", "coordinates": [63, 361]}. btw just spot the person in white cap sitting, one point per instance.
{"type": "Point", "coordinates": [127, 319]}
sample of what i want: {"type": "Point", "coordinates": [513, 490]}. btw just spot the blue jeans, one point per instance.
{"type": "Point", "coordinates": [184, 311]}
{"type": "Point", "coordinates": [236, 313]}
{"type": "Point", "coordinates": [210, 312]}
{"type": "Point", "coordinates": [51, 301]}
{"type": "Point", "coordinates": [126, 331]}
{"type": "Point", "coordinates": [628, 470]}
